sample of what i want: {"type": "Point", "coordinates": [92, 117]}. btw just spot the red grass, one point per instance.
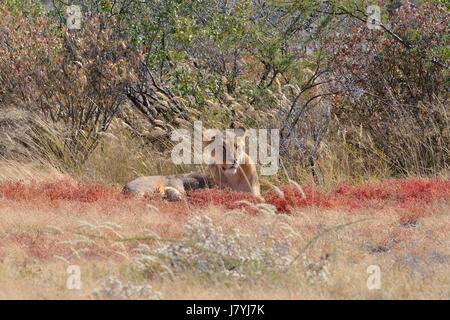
{"type": "Point", "coordinates": [407, 193]}
{"type": "Point", "coordinates": [38, 245]}
{"type": "Point", "coordinates": [224, 198]}
{"type": "Point", "coordinates": [60, 190]}
{"type": "Point", "coordinates": [411, 194]}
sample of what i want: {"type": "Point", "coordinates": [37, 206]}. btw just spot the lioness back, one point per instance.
{"type": "Point", "coordinates": [173, 187]}
{"type": "Point", "coordinates": [147, 184]}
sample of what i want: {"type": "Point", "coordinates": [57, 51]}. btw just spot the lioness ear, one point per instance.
{"type": "Point", "coordinates": [206, 139]}
{"type": "Point", "coordinates": [209, 136]}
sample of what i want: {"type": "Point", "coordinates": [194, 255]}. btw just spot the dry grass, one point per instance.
{"type": "Point", "coordinates": [204, 250]}
{"type": "Point", "coordinates": [27, 172]}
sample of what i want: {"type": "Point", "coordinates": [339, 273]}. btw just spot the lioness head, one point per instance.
{"type": "Point", "coordinates": [227, 151]}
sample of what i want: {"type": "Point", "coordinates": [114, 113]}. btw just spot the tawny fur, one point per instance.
{"type": "Point", "coordinates": [245, 179]}
{"type": "Point", "coordinates": [240, 176]}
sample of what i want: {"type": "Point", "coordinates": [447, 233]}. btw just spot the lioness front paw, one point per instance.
{"type": "Point", "coordinates": [172, 194]}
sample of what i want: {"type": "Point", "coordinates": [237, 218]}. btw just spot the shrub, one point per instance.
{"type": "Point", "coordinates": [76, 80]}
{"type": "Point", "coordinates": [392, 106]}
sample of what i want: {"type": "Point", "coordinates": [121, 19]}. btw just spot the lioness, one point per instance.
{"type": "Point", "coordinates": [232, 168]}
